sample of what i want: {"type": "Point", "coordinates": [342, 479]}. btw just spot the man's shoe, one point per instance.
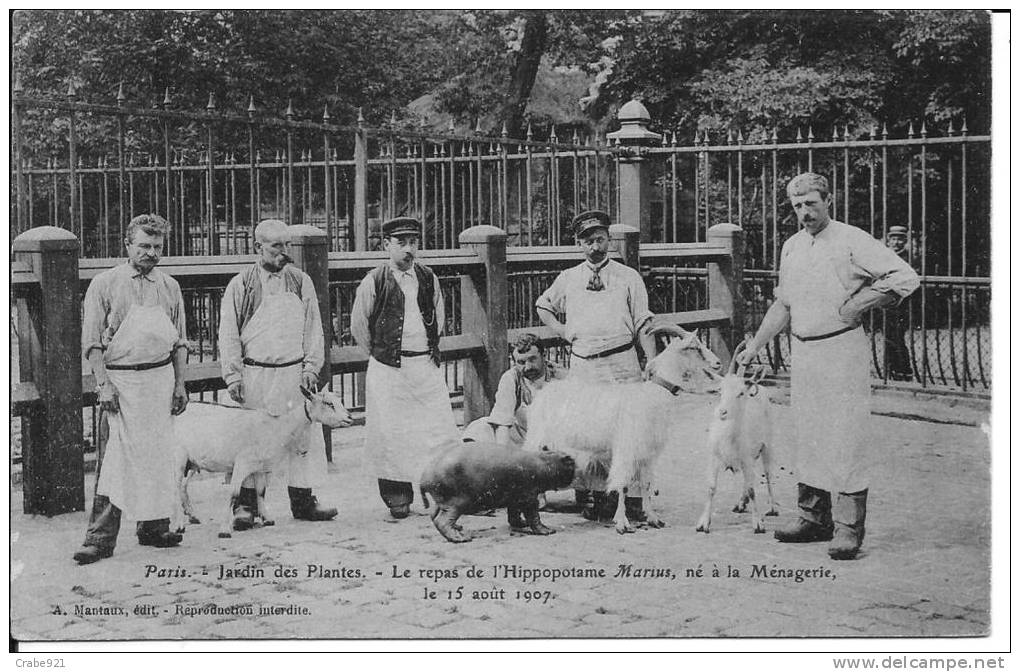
{"type": "Point", "coordinates": [87, 554]}
{"type": "Point", "coordinates": [161, 539]}
{"type": "Point", "coordinates": [848, 516]}
{"type": "Point", "coordinates": [305, 506]}
{"type": "Point", "coordinates": [244, 506]}
{"type": "Point", "coordinates": [815, 521]}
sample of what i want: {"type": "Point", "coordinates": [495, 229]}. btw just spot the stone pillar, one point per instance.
{"type": "Point", "coordinates": [309, 247]}
{"type": "Point", "coordinates": [725, 288]}
{"type": "Point", "coordinates": [53, 465]}
{"type": "Point", "coordinates": [484, 312]}
{"type": "Point", "coordinates": [635, 185]}
{"type": "Point", "coordinates": [360, 215]}
{"type": "Point", "coordinates": [627, 241]}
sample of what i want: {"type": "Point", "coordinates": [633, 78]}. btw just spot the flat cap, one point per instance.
{"type": "Point", "coordinates": [592, 219]}
{"type": "Point", "coordinates": [897, 230]}
{"type": "Point", "coordinates": [401, 226]}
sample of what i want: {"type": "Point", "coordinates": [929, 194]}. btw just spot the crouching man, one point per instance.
{"type": "Point", "coordinates": [397, 317]}
{"type": "Point", "coordinates": [133, 336]}
{"type": "Point", "coordinates": [830, 275]}
{"type": "Point", "coordinates": [507, 424]}
{"type": "Point", "coordinates": [271, 345]}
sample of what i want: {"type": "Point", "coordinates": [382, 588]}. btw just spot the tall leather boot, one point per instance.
{"type": "Point", "coordinates": [305, 506]}
{"type": "Point", "coordinates": [104, 524]}
{"type": "Point", "coordinates": [815, 520]}
{"type": "Point", "coordinates": [157, 533]}
{"type": "Point", "coordinates": [398, 496]}
{"type": "Point", "coordinates": [245, 505]}
{"type": "Point", "coordinates": [848, 515]}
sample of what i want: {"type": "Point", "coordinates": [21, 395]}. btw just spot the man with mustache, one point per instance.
{"type": "Point", "coordinates": [397, 318]}
{"type": "Point", "coordinates": [271, 345]}
{"type": "Point", "coordinates": [134, 338]}
{"type": "Point", "coordinates": [508, 421]}
{"type": "Point", "coordinates": [830, 275]}
{"type": "Point", "coordinates": [605, 304]}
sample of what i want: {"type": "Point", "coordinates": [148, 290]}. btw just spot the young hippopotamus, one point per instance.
{"type": "Point", "coordinates": [475, 476]}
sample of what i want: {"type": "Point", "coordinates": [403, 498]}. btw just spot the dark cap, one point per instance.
{"type": "Point", "coordinates": [401, 226]}
{"type": "Point", "coordinates": [592, 219]}
{"type": "Point", "coordinates": [897, 230]}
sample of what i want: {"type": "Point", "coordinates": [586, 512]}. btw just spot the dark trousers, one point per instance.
{"type": "Point", "coordinates": [104, 519]}
{"type": "Point", "coordinates": [897, 354]}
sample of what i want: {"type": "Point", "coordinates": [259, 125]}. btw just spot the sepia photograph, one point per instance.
{"type": "Point", "coordinates": [507, 329]}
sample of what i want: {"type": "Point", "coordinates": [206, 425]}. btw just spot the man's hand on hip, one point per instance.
{"type": "Point", "coordinates": [108, 398]}
{"type": "Point", "coordinates": [236, 392]}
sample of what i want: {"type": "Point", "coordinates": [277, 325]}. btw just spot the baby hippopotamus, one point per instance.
{"type": "Point", "coordinates": [475, 476]}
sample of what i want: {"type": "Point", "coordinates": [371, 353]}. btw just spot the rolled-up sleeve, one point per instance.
{"type": "Point", "coordinates": [96, 308]}
{"type": "Point", "coordinates": [178, 317]}
{"type": "Point", "coordinates": [229, 337]}
{"type": "Point", "coordinates": [504, 408]}
{"type": "Point", "coordinates": [883, 269]}
{"type": "Point", "coordinates": [364, 300]}
{"type": "Point", "coordinates": [781, 289]}
{"type": "Point", "coordinates": [638, 300]}
{"type": "Point", "coordinates": [554, 298]}
{"type": "Point", "coordinates": [313, 340]}
{"type": "Point", "coordinates": [437, 299]}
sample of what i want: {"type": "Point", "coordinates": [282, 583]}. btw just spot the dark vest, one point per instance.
{"type": "Point", "coordinates": [251, 299]}
{"type": "Point", "coordinates": [386, 323]}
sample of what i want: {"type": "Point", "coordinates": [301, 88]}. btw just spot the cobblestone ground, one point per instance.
{"type": "Point", "coordinates": [924, 571]}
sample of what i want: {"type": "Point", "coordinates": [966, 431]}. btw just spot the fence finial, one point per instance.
{"type": "Point", "coordinates": [800, 138]}
{"type": "Point", "coordinates": [503, 133]}
{"type": "Point", "coordinates": [951, 130]}
{"type": "Point", "coordinates": [729, 136]}
{"type": "Point", "coordinates": [290, 110]}
{"type": "Point", "coordinates": [393, 119]}
{"type": "Point", "coordinates": [910, 130]}
{"type": "Point", "coordinates": [529, 134]}
{"type": "Point", "coordinates": [552, 134]}
{"type": "Point", "coordinates": [873, 131]}
{"type": "Point", "coordinates": [361, 117]}
{"type": "Point", "coordinates": [251, 105]}
{"type": "Point", "coordinates": [963, 129]}
{"type": "Point", "coordinates": [924, 129]}
{"type": "Point", "coordinates": [451, 127]}
{"type": "Point", "coordinates": [846, 132]}
{"type": "Point", "coordinates": [71, 93]}
{"type": "Point", "coordinates": [810, 134]}
{"type": "Point", "coordinates": [17, 85]}
{"type": "Point", "coordinates": [740, 137]}
{"type": "Point", "coordinates": [672, 140]}
{"type": "Point", "coordinates": [835, 133]}
{"type": "Point", "coordinates": [664, 134]}
{"type": "Point", "coordinates": [211, 105]}
{"type": "Point", "coordinates": [775, 135]}
{"type": "Point", "coordinates": [325, 113]}
{"type": "Point", "coordinates": [166, 97]}
{"type": "Point", "coordinates": [478, 125]}
{"type": "Point", "coordinates": [885, 130]}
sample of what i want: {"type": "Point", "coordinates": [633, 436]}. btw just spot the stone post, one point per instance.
{"type": "Point", "coordinates": [636, 190]}
{"type": "Point", "coordinates": [53, 465]}
{"type": "Point", "coordinates": [627, 241]}
{"type": "Point", "coordinates": [725, 288]}
{"type": "Point", "coordinates": [484, 312]}
{"type": "Point", "coordinates": [309, 247]}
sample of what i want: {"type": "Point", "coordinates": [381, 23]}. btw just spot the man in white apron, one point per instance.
{"type": "Point", "coordinates": [508, 422]}
{"type": "Point", "coordinates": [271, 345]}
{"type": "Point", "coordinates": [830, 275]}
{"type": "Point", "coordinates": [397, 318]}
{"type": "Point", "coordinates": [134, 337]}
{"type": "Point", "coordinates": [606, 308]}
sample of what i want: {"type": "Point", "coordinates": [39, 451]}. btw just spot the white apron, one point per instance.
{"type": "Point", "coordinates": [589, 315]}
{"type": "Point", "coordinates": [137, 470]}
{"type": "Point", "coordinates": [408, 415]}
{"type": "Point", "coordinates": [275, 334]}
{"type": "Point", "coordinates": [830, 388]}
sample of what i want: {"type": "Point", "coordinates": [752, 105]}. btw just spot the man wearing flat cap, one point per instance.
{"type": "Point", "coordinates": [897, 317]}
{"type": "Point", "coordinates": [271, 345]}
{"type": "Point", "coordinates": [397, 318]}
{"type": "Point", "coordinates": [605, 305]}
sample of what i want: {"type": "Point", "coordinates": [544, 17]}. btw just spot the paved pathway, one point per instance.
{"type": "Point", "coordinates": [924, 572]}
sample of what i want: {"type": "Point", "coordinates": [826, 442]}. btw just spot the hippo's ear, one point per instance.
{"type": "Point", "coordinates": [544, 449]}
{"type": "Point", "coordinates": [568, 461]}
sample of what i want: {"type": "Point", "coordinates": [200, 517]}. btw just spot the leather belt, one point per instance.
{"type": "Point", "coordinates": [607, 353]}
{"type": "Point", "coordinates": [413, 353]}
{"type": "Point", "coordinates": [248, 361]}
{"type": "Point", "coordinates": [822, 337]}
{"type": "Point", "coordinates": [139, 367]}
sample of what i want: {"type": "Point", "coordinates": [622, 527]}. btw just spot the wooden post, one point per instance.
{"type": "Point", "coordinates": [360, 190]}
{"type": "Point", "coordinates": [53, 465]}
{"type": "Point", "coordinates": [484, 312]}
{"type": "Point", "coordinates": [627, 241]}
{"type": "Point", "coordinates": [309, 247]}
{"type": "Point", "coordinates": [725, 289]}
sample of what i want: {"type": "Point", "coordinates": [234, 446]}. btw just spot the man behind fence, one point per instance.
{"type": "Point", "coordinates": [605, 304]}
{"type": "Point", "coordinates": [134, 338]}
{"type": "Point", "coordinates": [397, 317]}
{"type": "Point", "coordinates": [830, 275]}
{"type": "Point", "coordinates": [271, 345]}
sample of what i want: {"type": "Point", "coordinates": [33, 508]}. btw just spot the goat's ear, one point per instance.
{"type": "Point", "coordinates": [306, 392]}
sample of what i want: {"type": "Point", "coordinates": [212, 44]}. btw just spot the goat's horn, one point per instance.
{"type": "Point", "coordinates": [306, 392]}
{"type": "Point", "coordinates": [671, 329]}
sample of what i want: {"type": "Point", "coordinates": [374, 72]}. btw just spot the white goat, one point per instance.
{"type": "Point", "coordinates": [242, 442]}
{"type": "Point", "coordinates": [741, 434]}
{"type": "Point", "coordinates": [625, 426]}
